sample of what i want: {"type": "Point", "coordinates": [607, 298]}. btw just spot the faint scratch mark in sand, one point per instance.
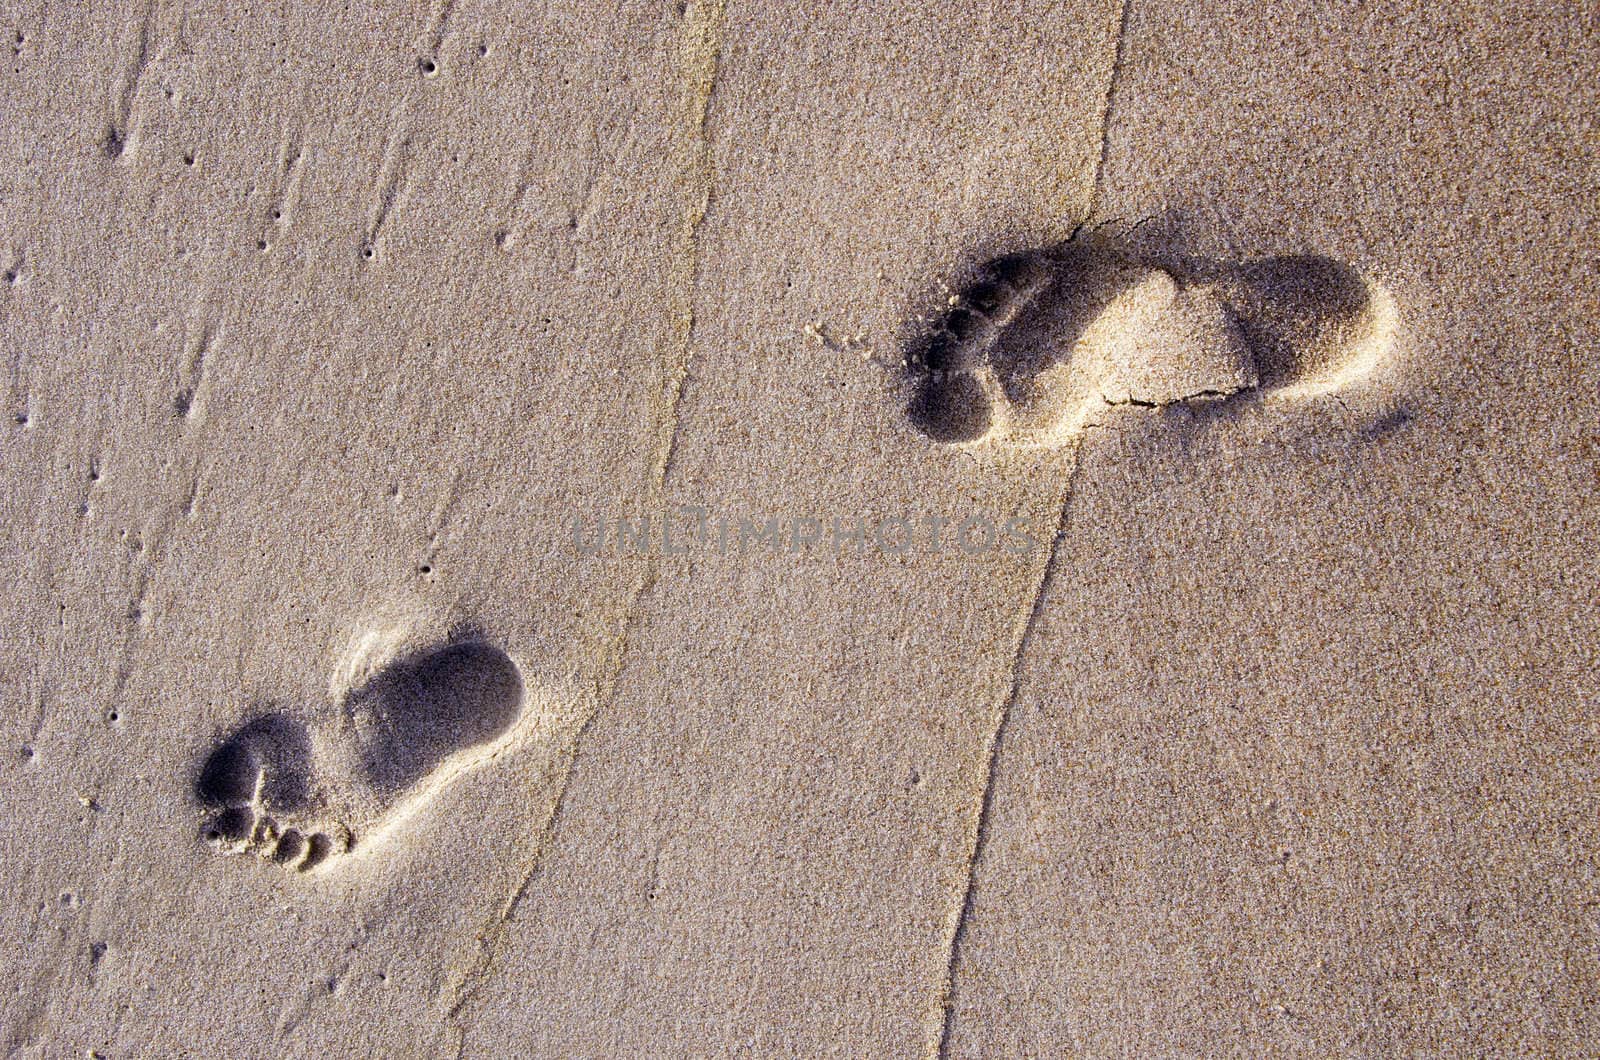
{"type": "Point", "coordinates": [594, 185]}
{"type": "Point", "coordinates": [522, 190]}
{"type": "Point", "coordinates": [700, 53]}
{"type": "Point", "coordinates": [442, 515]}
{"type": "Point", "coordinates": [37, 1020]}
{"type": "Point", "coordinates": [147, 563]}
{"type": "Point", "coordinates": [292, 151]}
{"type": "Point", "coordinates": [519, 191]}
{"type": "Point", "coordinates": [438, 25]}
{"type": "Point", "coordinates": [446, 509]}
{"type": "Point", "coordinates": [599, 172]}
{"type": "Point", "coordinates": [596, 174]}
{"type": "Point", "coordinates": [1105, 110]}
{"type": "Point", "coordinates": [155, 536]}
{"type": "Point", "coordinates": [192, 372]}
{"type": "Point", "coordinates": [117, 134]}
{"type": "Point", "coordinates": [41, 701]}
{"type": "Point", "coordinates": [978, 827]}
{"type": "Point", "coordinates": [293, 1013]}
{"type": "Point", "coordinates": [19, 400]}
{"type": "Point", "coordinates": [391, 182]}
{"type": "Point", "coordinates": [290, 156]}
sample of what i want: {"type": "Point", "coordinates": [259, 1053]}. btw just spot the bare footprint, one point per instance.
{"type": "Point", "coordinates": [1038, 343]}
{"type": "Point", "coordinates": [299, 791]}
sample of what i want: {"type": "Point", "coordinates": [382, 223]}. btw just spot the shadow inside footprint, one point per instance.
{"type": "Point", "coordinates": [272, 752]}
{"type": "Point", "coordinates": [264, 767]}
{"type": "Point", "coordinates": [425, 707]}
{"type": "Point", "coordinates": [1086, 274]}
{"type": "Point", "coordinates": [951, 408]}
{"type": "Point", "coordinates": [1299, 314]}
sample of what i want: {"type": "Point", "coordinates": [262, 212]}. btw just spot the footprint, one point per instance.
{"type": "Point", "coordinates": [1312, 323]}
{"type": "Point", "coordinates": [1037, 343]}
{"type": "Point", "coordinates": [300, 791]}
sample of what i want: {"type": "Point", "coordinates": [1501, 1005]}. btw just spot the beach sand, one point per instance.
{"type": "Point", "coordinates": [1119, 580]}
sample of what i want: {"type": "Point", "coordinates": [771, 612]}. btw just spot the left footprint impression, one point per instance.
{"type": "Point", "coordinates": [301, 792]}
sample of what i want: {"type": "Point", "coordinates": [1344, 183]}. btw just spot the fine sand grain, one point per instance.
{"type": "Point", "coordinates": [701, 529]}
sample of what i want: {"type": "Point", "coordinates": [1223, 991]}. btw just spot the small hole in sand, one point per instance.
{"type": "Point", "coordinates": [428, 67]}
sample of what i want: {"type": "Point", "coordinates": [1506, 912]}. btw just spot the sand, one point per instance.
{"type": "Point", "coordinates": [1121, 556]}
